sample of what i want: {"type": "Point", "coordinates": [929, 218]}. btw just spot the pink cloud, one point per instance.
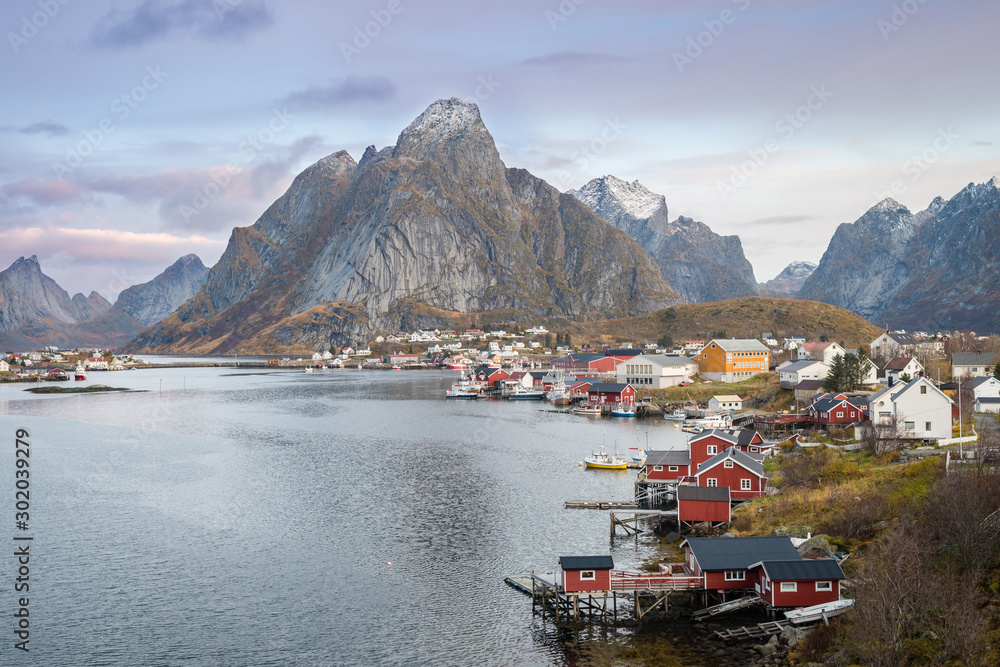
{"type": "Point", "coordinates": [44, 193]}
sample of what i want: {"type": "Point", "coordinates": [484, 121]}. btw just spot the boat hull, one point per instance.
{"type": "Point", "coordinates": [607, 466]}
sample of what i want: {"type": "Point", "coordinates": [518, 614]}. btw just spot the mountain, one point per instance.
{"type": "Point", "coordinates": [35, 311]}
{"type": "Point", "coordinates": [935, 269]}
{"type": "Point", "coordinates": [437, 221]}
{"type": "Point", "coordinates": [150, 302]}
{"type": "Point", "coordinates": [698, 263]}
{"type": "Point", "coordinates": [788, 283]}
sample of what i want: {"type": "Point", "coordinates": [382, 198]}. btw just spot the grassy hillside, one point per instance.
{"type": "Point", "coordinates": [747, 317]}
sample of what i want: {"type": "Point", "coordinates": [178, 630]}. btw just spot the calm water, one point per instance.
{"type": "Point", "coordinates": [249, 518]}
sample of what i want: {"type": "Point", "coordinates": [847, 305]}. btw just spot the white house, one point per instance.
{"type": "Point", "coordinates": [655, 370]}
{"type": "Point", "coordinates": [725, 402]}
{"type": "Point", "coordinates": [362, 352]}
{"type": "Point", "coordinates": [965, 365]}
{"type": "Point", "coordinates": [534, 344]}
{"type": "Point", "coordinates": [922, 411]}
{"type": "Point", "coordinates": [897, 367]}
{"type": "Point", "coordinates": [984, 387]}
{"type": "Point", "coordinates": [988, 404]}
{"type": "Point", "coordinates": [791, 373]}
{"type": "Point", "coordinates": [317, 356]}
{"type": "Point", "coordinates": [793, 342]}
{"type": "Point", "coordinates": [4, 366]}
{"type": "Point", "coordinates": [769, 339]}
{"type": "Point", "coordinates": [534, 331]}
{"type": "Point", "coordinates": [893, 344]}
{"type": "Point", "coordinates": [824, 352]}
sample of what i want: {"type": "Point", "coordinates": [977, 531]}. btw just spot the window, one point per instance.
{"type": "Point", "coordinates": [824, 585]}
{"type": "Point", "coordinates": [658, 468]}
{"type": "Point", "coordinates": [923, 389]}
{"type": "Point", "coordinates": [735, 575]}
{"type": "Point", "coordinates": [587, 575]}
{"type": "Point", "coordinates": [745, 485]}
{"type": "Point", "coordinates": [927, 426]}
{"type": "Point", "coordinates": [908, 426]}
{"type": "Point", "coordinates": [788, 587]}
{"type": "Point", "coordinates": [727, 464]}
{"type": "Point", "coordinates": [711, 450]}
{"type": "Point", "coordinates": [840, 413]}
{"type": "Point", "coordinates": [754, 450]}
{"type": "Point", "coordinates": [712, 482]}
{"type": "Point", "coordinates": [672, 468]}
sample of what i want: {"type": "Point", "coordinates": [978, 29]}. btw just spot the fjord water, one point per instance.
{"type": "Point", "coordinates": [230, 517]}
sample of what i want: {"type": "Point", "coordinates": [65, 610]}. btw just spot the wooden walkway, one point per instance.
{"type": "Point", "coordinates": [732, 605]}
{"type": "Point", "coordinates": [600, 505]}
{"type": "Point", "coordinates": [754, 631]}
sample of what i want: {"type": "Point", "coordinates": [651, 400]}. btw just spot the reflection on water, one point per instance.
{"type": "Point", "coordinates": [233, 519]}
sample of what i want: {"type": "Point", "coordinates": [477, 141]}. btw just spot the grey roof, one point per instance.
{"type": "Point", "coordinates": [799, 365]}
{"type": "Point", "coordinates": [859, 401]}
{"type": "Point", "coordinates": [792, 570]}
{"type": "Point", "coordinates": [736, 455]}
{"type": "Point", "coordinates": [739, 553]}
{"type": "Point", "coordinates": [809, 385]}
{"type": "Point", "coordinates": [667, 360]}
{"type": "Point", "coordinates": [622, 352]}
{"type": "Point", "coordinates": [973, 359]}
{"type": "Point", "coordinates": [988, 400]}
{"type": "Point", "coordinates": [903, 339]}
{"type": "Point", "coordinates": [826, 404]}
{"type": "Point", "coordinates": [738, 436]}
{"type": "Point", "coordinates": [740, 344]}
{"type": "Point", "coordinates": [607, 387]}
{"type": "Point", "coordinates": [670, 457]}
{"type": "Point", "coordinates": [718, 494]}
{"type": "Point", "coordinates": [586, 562]}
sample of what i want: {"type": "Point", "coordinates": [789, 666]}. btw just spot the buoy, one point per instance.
{"type": "Point", "coordinates": [390, 563]}
{"type": "Point", "coordinates": [581, 463]}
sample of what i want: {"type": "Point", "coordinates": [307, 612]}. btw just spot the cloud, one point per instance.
{"type": "Point", "coordinates": [49, 127]}
{"type": "Point", "coordinates": [351, 89]}
{"type": "Point", "coordinates": [573, 59]}
{"type": "Point", "coordinates": [782, 220]}
{"type": "Point", "coordinates": [979, 142]}
{"type": "Point", "coordinates": [204, 19]}
{"type": "Point", "coordinates": [44, 193]}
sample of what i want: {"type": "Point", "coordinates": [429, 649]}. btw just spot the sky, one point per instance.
{"type": "Point", "coordinates": [135, 132]}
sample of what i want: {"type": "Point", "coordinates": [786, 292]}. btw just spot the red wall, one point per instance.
{"type": "Point", "coordinates": [572, 582]}
{"type": "Point", "coordinates": [805, 596]}
{"type": "Point", "coordinates": [682, 471]}
{"type": "Point", "coordinates": [627, 395]}
{"type": "Point", "coordinates": [731, 477]}
{"type": "Point", "coordinates": [699, 449]}
{"type": "Point", "coordinates": [717, 581]}
{"type": "Point", "coordinates": [703, 510]}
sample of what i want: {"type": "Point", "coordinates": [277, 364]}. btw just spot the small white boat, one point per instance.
{"type": "Point", "coordinates": [623, 411]}
{"type": "Point", "coordinates": [522, 393]}
{"type": "Point", "coordinates": [818, 612]}
{"type": "Point", "coordinates": [310, 369]}
{"type": "Point", "coordinates": [603, 461]}
{"type": "Point", "coordinates": [677, 415]}
{"type": "Point", "coordinates": [558, 394]}
{"type": "Point", "coordinates": [589, 410]}
{"type": "Point", "coordinates": [80, 373]}
{"type": "Point", "coordinates": [718, 421]}
{"type": "Point", "coordinates": [466, 388]}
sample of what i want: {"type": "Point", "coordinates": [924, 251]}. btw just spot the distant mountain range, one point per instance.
{"type": "Point", "coordinates": [788, 283]}
{"type": "Point", "coordinates": [698, 263]}
{"type": "Point", "coordinates": [436, 220]}
{"type": "Point", "coordinates": [35, 311]}
{"type": "Point", "coordinates": [938, 269]}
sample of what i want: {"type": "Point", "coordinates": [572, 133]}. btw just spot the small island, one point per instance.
{"type": "Point", "coordinates": [92, 389]}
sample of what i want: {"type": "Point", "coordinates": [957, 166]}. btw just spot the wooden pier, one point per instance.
{"type": "Point", "coordinates": [600, 505]}
{"type": "Point", "coordinates": [631, 525]}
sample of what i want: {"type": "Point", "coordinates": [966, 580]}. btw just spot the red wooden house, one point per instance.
{"type": "Point", "coordinates": [732, 468]}
{"type": "Point", "coordinates": [707, 444]}
{"type": "Point", "coordinates": [725, 562]}
{"type": "Point", "coordinates": [611, 393]}
{"type": "Point", "coordinates": [585, 363]}
{"type": "Point", "coordinates": [491, 376]}
{"type": "Point", "coordinates": [585, 573]}
{"type": "Point", "coordinates": [669, 465]}
{"type": "Point", "coordinates": [835, 409]}
{"type": "Point", "coordinates": [696, 504]}
{"type": "Point", "coordinates": [797, 582]}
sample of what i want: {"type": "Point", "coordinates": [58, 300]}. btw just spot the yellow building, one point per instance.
{"type": "Point", "coordinates": [732, 359]}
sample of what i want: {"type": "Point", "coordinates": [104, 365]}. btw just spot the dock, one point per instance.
{"type": "Point", "coordinates": [636, 516]}
{"type": "Point", "coordinates": [765, 629]}
{"type": "Point", "coordinates": [600, 505]}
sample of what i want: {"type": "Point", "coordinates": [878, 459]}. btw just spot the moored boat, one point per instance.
{"type": "Point", "coordinates": [818, 612]}
{"type": "Point", "coordinates": [677, 415]}
{"type": "Point", "coordinates": [525, 394]}
{"type": "Point", "coordinates": [623, 411]}
{"type": "Point", "coordinates": [558, 394]}
{"type": "Point", "coordinates": [589, 410]}
{"type": "Point", "coordinates": [80, 373]}
{"type": "Point", "coordinates": [603, 461]}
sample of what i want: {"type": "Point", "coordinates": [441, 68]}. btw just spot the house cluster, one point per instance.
{"type": "Point", "coordinates": [770, 567]}
{"type": "Point", "coordinates": [55, 364]}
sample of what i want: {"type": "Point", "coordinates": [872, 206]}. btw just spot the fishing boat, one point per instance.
{"type": "Point", "coordinates": [522, 393]}
{"type": "Point", "coordinates": [466, 388]}
{"type": "Point", "coordinates": [558, 394]}
{"type": "Point", "coordinates": [603, 461]}
{"type": "Point", "coordinates": [456, 366]}
{"type": "Point", "coordinates": [310, 369]}
{"type": "Point", "coordinates": [677, 415]}
{"type": "Point", "coordinates": [589, 410]}
{"type": "Point", "coordinates": [818, 612]}
{"type": "Point", "coordinates": [623, 411]}
{"type": "Point", "coordinates": [717, 421]}
{"type": "Point", "coordinates": [80, 373]}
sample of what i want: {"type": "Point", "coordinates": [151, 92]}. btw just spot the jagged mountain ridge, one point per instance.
{"type": "Point", "coordinates": [149, 302]}
{"type": "Point", "coordinates": [935, 269]}
{"type": "Point", "coordinates": [436, 219]}
{"type": "Point", "coordinates": [788, 283]}
{"type": "Point", "coordinates": [35, 311]}
{"type": "Point", "coordinates": [698, 263]}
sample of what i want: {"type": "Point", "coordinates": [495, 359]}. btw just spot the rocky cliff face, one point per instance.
{"type": "Point", "coordinates": [438, 220]}
{"type": "Point", "coordinates": [698, 263]}
{"type": "Point", "coordinates": [936, 269]}
{"type": "Point", "coordinates": [150, 302]}
{"type": "Point", "coordinates": [788, 283]}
